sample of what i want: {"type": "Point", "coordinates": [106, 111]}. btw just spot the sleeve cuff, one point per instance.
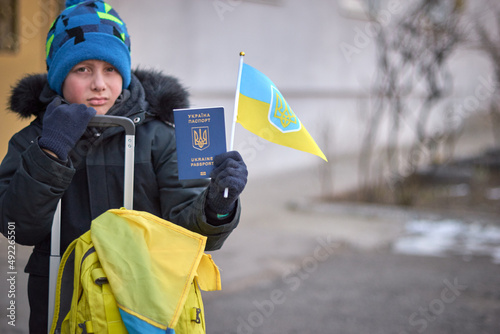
{"type": "Point", "coordinates": [216, 219]}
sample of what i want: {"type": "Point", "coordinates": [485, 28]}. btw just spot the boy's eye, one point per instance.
{"type": "Point", "coordinates": [110, 69]}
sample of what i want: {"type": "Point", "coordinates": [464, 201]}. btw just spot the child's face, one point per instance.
{"type": "Point", "coordinates": [94, 83]}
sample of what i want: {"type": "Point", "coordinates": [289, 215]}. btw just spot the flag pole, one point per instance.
{"type": "Point", "coordinates": [235, 111]}
{"type": "Point", "coordinates": [236, 100]}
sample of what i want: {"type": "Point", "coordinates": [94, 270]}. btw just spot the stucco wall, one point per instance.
{"type": "Point", "coordinates": [34, 19]}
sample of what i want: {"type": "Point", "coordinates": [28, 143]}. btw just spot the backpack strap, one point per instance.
{"type": "Point", "coordinates": [64, 290]}
{"type": "Point", "coordinates": [113, 317]}
{"type": "Point", "coordinates": [87, 327]}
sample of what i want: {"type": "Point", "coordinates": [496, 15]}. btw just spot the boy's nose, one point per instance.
{"type": "Point", "coordinates": [98, 82]}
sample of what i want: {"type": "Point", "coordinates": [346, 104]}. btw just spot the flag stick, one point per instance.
{"type": "Point", "coordinates": [235, 111]}
{"type": "Point", "coordinates": [236, 100]}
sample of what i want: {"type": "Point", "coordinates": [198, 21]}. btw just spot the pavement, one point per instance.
{"type": "Point", "coordinates": [297, 265]}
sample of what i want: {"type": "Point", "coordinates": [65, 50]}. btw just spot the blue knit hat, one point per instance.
{"type": "Point", "coordinates": [86, 30]}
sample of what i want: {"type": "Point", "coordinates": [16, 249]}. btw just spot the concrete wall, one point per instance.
{"type": "Point", "coordinates": [320, 56]}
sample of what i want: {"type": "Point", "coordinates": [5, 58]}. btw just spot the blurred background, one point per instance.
{"type": "Point", "coordinates": [393, 85]}
{"type": "Point", "coordinates": [401, 96]}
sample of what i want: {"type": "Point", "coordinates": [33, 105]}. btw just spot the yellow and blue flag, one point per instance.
{"type": "Point", "coordinates": [263, 111]}
{"type": "Point", "coordinates": [151, 264]}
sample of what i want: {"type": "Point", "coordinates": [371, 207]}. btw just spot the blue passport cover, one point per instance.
{"type": "Point", "coordinates": [200, 135]}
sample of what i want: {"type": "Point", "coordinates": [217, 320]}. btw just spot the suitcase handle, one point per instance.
{"type": "Point", "coordinates": [128, 125]}
{"type": "Point", "coordinates": [101, 121]}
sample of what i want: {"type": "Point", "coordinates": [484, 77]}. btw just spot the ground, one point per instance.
{"type": "Point", "coordinates": [299, 265]}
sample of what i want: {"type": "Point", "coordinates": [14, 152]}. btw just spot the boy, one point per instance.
{"type": "Point", "coordinates": [58, 157]}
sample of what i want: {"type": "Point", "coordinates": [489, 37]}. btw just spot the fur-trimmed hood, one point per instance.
{"type": "Point", "coordinates": [159, 94]}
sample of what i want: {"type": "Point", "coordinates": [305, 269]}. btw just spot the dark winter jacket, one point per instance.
{"type": "Point", "coordinates": [31, 182]}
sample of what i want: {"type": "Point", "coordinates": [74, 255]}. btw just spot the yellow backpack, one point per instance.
{"type": "Point", "coordinates": [134, 273]}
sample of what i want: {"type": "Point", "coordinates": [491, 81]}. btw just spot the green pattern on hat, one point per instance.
{"type": "Point", "coordinates": [87, 30]}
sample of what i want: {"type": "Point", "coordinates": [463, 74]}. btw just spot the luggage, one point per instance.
{"type": "Point", "coordinates": [104, 283]}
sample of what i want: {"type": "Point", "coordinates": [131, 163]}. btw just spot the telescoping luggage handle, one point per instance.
{"type": "Point", "coordinates": [99, 121]}
{"type": "Point", "coordinates": [129, 127]}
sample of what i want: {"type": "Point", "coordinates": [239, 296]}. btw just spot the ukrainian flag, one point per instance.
{"type": "Point", "coordinates": [263, 111]}
{"type": "Point", "coordinates": [150, 264]}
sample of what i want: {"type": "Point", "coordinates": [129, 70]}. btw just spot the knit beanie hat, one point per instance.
{"type": "Point", "coordinates": [86, 30]}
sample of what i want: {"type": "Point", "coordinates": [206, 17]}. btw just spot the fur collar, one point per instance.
{"type": "Point", "coordinates": [162, 92]}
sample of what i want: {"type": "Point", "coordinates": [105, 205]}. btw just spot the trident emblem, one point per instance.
{"type": "Point", "coordinates": [200, 136]}
{"type": "Point", "coordinates": [281, 115]}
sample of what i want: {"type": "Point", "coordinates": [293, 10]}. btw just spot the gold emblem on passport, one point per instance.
{"type": "Point", "coordinates": [200, 137]}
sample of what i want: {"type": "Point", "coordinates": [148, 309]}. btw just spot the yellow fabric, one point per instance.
{"type": "Point", "coordinates": [92, 305]}
{"type": "Point", "coordinates": [151, 267]}
{"type": "Point", "coordinates": [208, 275]}
{"type": "Point", "coordinates": [192, 320]}
{"type": "Point", "coordinates": [150, 264]}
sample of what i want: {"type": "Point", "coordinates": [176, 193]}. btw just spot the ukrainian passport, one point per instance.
{"type": "Point", "coordinates": [200, 135]}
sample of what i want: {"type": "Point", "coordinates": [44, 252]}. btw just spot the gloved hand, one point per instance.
{"type": "Point", "coordinates": [229, 172]}
{"type": "Point", "coordinates": [63, 126]}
